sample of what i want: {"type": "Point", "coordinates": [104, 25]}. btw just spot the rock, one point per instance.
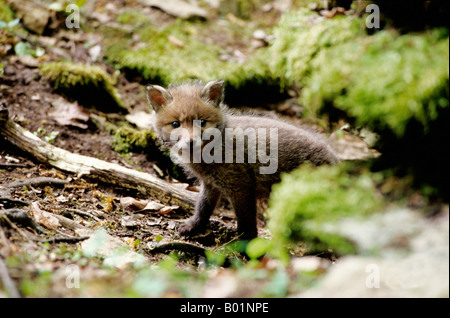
{"type": "Point", "coordinates": [403, 254]}
{"type": "Point", "coordinates": [28, 60]}
{"type": "Point", "coordinates": [309, 264]}
{"type": "Point", "coordinates": [177, 8]}
{"type": "Point", "coordinates": [94, 52]}
{"type": "Point", "coordinates": [32, 14]}
{"type": "Point", "coordinates": [402, 229]}
{"type": "Point", "coordinates": [416, 275]}
{"type": "Point", "coordinates": [259, 39]}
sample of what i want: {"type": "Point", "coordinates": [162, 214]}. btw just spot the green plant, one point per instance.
{"type": "Point", "coordinates": [163, 61]}
{"type": "Point", "coordinates": [24, 48]}
{"type": "Point", "coordinates": [9, 24]}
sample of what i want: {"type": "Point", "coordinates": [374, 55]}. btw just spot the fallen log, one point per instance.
{"type": "Point", "coordinates": [94, 168]}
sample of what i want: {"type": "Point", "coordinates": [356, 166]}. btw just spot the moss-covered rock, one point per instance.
{"type": "Point", "coordinates": [383, 81]}
{"type": "Point", "coordinates": [301, 35]}
{"type": "Point", "coordinates": [184, 50]}
{"type": "Point", "coordinates": [394, 84]}
{"type": "Point", "coordinates": [89, 84]}
{"type": "Point", "coordinates": [398, 86]}
{"type": "Point", "coordinates": [310, 197]}
{"type": "Point", "coordinates": [127, 139]}
{"type": "Point", "coordinates": [6, 14]}
{"type": "Point", "coordinates": [170, 55]}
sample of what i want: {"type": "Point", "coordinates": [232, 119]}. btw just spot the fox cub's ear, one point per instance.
{"type": "Point", "coordinates": [214, 92]}
{"type": "Point", "coordinates": [158, 97]}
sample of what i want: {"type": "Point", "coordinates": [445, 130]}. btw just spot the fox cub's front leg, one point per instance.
{"type": "Point", "coordinates": [204, 207]}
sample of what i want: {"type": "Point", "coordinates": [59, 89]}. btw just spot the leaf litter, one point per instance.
{"type": "Point", "coordinates": [69, 114]}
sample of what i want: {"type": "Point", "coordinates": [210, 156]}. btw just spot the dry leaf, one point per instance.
{"type": "Point", "coordinates": [157, 207]}
{"type": "Point", "coordinates": [171, 225]}
{"type": "Point", "coordinates": [132, 203]}
{"type": "Point", "coordinates": [107, 201]}
{"type": "Point", "coordinates": [154, 206]}
{"type": "Point", "coordinates": [193, 188]}
{"type": "Point", "coordinates": [44, 218]}
{"type": "Point", "coordinates": [69, 114]}
{"type": "Point", "coordinates": [168, 209]}
{"type": "Point", "coordinates": [141, 119]}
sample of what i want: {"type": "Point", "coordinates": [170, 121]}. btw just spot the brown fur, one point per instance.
{"type": "Point", "coordinates": [242, 183]}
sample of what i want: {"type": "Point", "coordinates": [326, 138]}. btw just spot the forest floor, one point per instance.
{"type": "Point", "coordinates": [38, 259]}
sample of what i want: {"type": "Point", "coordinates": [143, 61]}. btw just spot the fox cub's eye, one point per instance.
{"type": "Point", "coordinates": [175, 124]}
{"type": "Point", "coordinates": [202, 122]}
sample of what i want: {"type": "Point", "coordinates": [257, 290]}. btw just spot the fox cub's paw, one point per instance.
{"type": "Point", "coordinates": [191, 227]}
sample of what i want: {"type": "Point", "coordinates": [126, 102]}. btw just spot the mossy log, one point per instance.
{"type": "Point", "coordinates": [94, 168]}
{"type": "Point", "coordinates": [88, 84]}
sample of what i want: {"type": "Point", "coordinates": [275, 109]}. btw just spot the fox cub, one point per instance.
{"type": "Point", "coordinates": [236, 155]}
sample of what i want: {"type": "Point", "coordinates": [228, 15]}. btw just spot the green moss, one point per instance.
{"type": "Point", "coordinates": [312, 196]}
{"type": "Point", "coordinates": [285, 61]}
{"type": "Point", "coordinates": [240, 8]}
{"type": "Point", "coordinates": [255, 71]}
{"type": "Point", "coordinates": [85, 83]}
{"type": "Point", "coordinates": [127, 139]}
{"type": "Point", "coordinates": [6, 14]}
{"type": "Point", "coordinates": [383, 81]}
{"type": "Point", "coordinates": [132, 16]}
{"type": "Point", "coordinates": [163, 61]}
{"type": "Point", "coordinates": [300, 36]}
{"type": "Point", "coordinates": [397, 86]}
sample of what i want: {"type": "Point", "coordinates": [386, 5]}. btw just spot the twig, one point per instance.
{"type": "Point", "coordinates": [7, 281]}
{"type": "Point", "coordinates": [39, 181]}
{"type": "Point", "coordinates": [187, 248]}
{"type": "Point", "coordinates": [68, 223]}
{"type": "Point", "coordinates": [15, 227]}
{"type": "Point", "coordinates": [12, 165]}
{"type": "Point", "coordinates": [64, 239]}
{"type": "Point", "coordinates": [8, 202]}
{"type": "Point", "coordinates": [178, 246]}
{"type": "Point", "coordinates": [21, 217]}
{"type": "Point", "coordinates": [83, 213]}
